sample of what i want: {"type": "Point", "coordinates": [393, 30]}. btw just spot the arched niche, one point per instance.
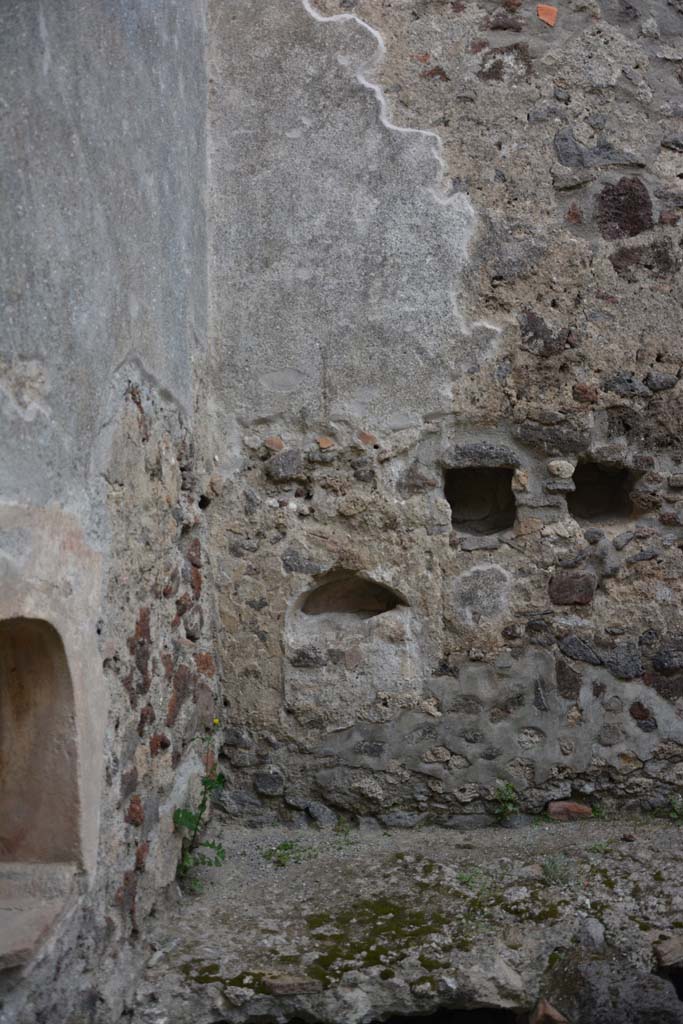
{"type": "Point", "coordinates": [39, 800]}
{"type": "Point", "coordinates": [350, 594]}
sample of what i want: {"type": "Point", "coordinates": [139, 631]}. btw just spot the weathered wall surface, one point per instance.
{"type": "Point", "coordinates": [315, 456]}
{"type": "Point", "coordinates": [381, 335]}
{"type": "Point", "coordinates": [104, 294]}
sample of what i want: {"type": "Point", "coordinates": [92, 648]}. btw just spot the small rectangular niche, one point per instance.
{"type": "Point", "coordinates": [481, 498]}
{"type": "Point", "coordinates": [602, 494]}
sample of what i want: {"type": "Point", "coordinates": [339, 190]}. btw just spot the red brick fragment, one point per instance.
{"type": "Point", "coordinates": [568, 810]}
{"type": "Point", "coordinates": [584, 393]}
{"type": "Point", "coordinates": [158, 742]}
{"type": "Point", "coordinates": [135, 815]}
{"type": "Point", "coordinates": [141, 855]}
{"type": "Point", "coordinates": [435, 72]}
{"type": "Point", "coordinates": [547, 13]}
{"type": "Point", "coordinates": [574, 215]}
{"type": "Point", "coordinates": [194, 553]}
{"type": "Point", "coordinates": [147, 716]}
{"type": "Point", "coordinates": [205, 663]}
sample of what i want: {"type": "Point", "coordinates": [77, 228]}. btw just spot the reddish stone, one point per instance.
{"type": "Point", "coordinates": [205, 663]}
{"type": "Point", "coordinates": [141, 855]}
{"type": "Point", "coordinates": [568, 810]}
{"type": "Point", "coordinates": [183, 680]}
{"type": "Point", "coordinates": [512, 5]}
{"type": "Point", "coordinates": [135, 815]}
{"type": "Point", "coordinates": [183, 604]}
{"type": "Point", "coordinates": [669, 217]}
{"type": "Point", "coordinates": [274, 443]}
{"type": "Point", "coordinates": [127, 684]}
{"type": "Point", "coordinates": [572, 587]}
{"type": "Point", "coordinates": [147, 716]}
{"type": "Point", "coordinates": [324, 443]}
{"type": "Point", "coordinates": [158, 742]}
{"type": "Point", "coordinates": [140, 645]}
{"type": "Point", "coordinates": [367, 439]}
{"type": "Point", "coordinates": [196, 581]}
{"type": "Point", "coordinates": [421, 58]}
{"type": "Point", "coordinates": [126, 895]}
{"type": "Point", "coordinates": [435, 72]}
{"type": "Point", "coordinates": [639, 712]}
{"type": "Point", "coordinates": [545, 1013]}
{"type": "Point", "coordinates": [477, 45]}
{"type": "Point", "coordinates": [574, 215]}
{"type": "Point", "coordinates": [194, 553]}
{"type": "Point", "coordinates": [624, 209]}
{"type": "Point", "coordinates": [584, 393]}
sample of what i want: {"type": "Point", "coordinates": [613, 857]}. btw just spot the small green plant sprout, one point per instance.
{"type": "Point", "coordinates": [600, 847]}
{"type": "Point", "coordinates": [192, 822]}
{"type": "Point", "coordinates": [287, 852]}
{"type": "Point", "coordinates": [556, 870]}
{"type": "Point", "coordinates": [344, 832]}
{"type": "Point", "coordinates": [506, 802]}
{"type": "Point", "coordinates": [470, 877]}
{"type": "Point", "coordinates": [676, 809]}
{"type": "Point", "coordinates": [598, 812]}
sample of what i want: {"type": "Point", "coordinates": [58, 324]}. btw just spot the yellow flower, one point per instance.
{"type": "Point", "coordinates": [216, 721]}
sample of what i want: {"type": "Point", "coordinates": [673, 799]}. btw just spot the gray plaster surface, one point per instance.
{"type": "Point", "coordinates": [335, 245]}
{"type": "Point", "coordinates": [102, 224]}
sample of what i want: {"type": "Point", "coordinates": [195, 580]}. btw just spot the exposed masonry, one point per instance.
{"type": "Point", "coordinates": [509, 658]}
{"type": "Point", "coordinates": [396, 492]}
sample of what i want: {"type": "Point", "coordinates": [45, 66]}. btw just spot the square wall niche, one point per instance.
{"type": "Point", "coordinates": [602, 494]}
{"type": "Point", "coordinates": [481, 498]}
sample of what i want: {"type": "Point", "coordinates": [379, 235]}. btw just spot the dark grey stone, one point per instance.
{"type": "Point", "coordinates": [307, 657]}
{"type": "Point", "coordinates": [286, 465]}
{"type": "Point", "coordinates": [269, 781]}
{"type": "Point", "coordinates": [321, 813]}
{"type": "Point", "coordinates": [626, 385]}
{"type": "Point", "coordinates": [297, 562]}
{"type": "Point", "coordinates": [480, 453]}
{"type": "Point", "coordinates": [660, 381]}
{"type": "Point", "coordinates": [578, 650]}
{"type": "Point", "coordinates": [624, 660]}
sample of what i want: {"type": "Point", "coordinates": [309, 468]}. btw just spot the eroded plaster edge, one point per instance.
{"type": "Point", "coordinates": [458, 201]}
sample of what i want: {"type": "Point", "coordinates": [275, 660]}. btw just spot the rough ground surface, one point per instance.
{"type": "Point", "coordinates": [354, 925]}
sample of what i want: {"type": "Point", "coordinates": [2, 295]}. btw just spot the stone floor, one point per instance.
{"type": "Point", "coordinates": [346, 925]}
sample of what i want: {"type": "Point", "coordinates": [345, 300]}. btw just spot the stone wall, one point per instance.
{"type": "Point", "coordinates": [452, 369]}
{"type": "Point", "coordinates": [340, 392]}
{"type": "Point", "coordinates": [101, 542]}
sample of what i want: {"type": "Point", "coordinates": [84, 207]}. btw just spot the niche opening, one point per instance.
{"type": "Point", "coordinates": [481, 498]}
{"type": "Point", "coordinates": [603, 493]}
{"type": "Point", "coordinates": [487, 1015]}
{"type": "Point", "coordinates": [39, 804]}
{"type": "Point", "coordinates": [350, 594]}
